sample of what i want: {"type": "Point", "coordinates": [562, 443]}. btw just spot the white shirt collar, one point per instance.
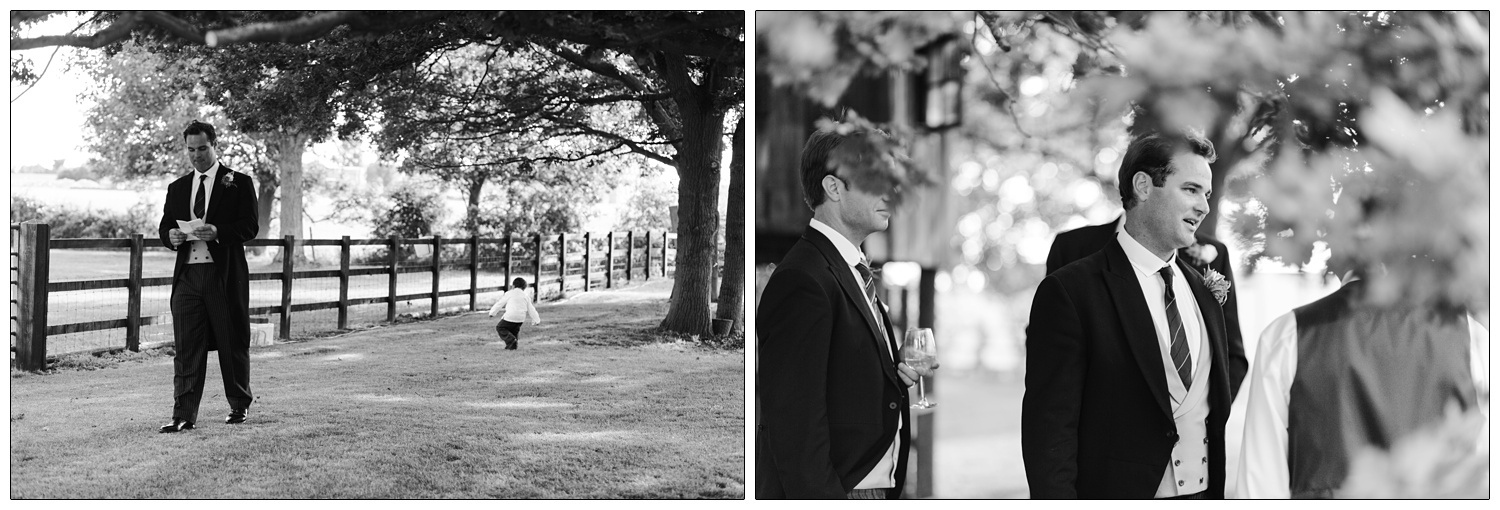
{"type": "Point", "coordinates": [848, 250]}
{"type": "Point", "coordinates": [1142, 258]}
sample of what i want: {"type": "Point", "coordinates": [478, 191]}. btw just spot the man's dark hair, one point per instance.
{"type": "Point", "coordinates": [1153, 154]}
{"type": "Point", "coordinates": [518, 283]}
{"type": "Point", "coordinates": [201, 128]}
{"type": "Point", "coordinates": [825, 148]}
{"type": "Point", "coordinates": [815, 154]}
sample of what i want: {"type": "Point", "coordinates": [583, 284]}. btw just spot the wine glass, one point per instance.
{"type": "Point", "coordinates": [919, 351]}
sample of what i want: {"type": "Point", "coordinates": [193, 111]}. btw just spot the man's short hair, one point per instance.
{"type": "Point", "coordinates": [1153, 154]}
{"type": "Point", "coordinates": [827, 147]}
{"type": "Point", "coordinates": [201, 128]}
{"type": "Point", "coordinates": [815, 154]}
{"type": "Point", "coordinates": [519, 283]}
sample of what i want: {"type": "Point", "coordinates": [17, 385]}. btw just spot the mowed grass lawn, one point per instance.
{"type": "Point", "coordinates": [591, 406]}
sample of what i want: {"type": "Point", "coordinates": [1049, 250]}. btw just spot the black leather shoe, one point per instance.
{"type": "Point", "coordinates": [177, 425]}
{"type": "Point", "coordinates": [235, 416]}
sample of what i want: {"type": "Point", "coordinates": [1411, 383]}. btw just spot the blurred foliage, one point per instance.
{"type": "Point", "coordinates": [411, 210]}
{"type": "Point", "coordinates": [1312, 113]}
{"type": "Point", "coordinates": [68, 222]}
{"type": "Point", "coordinates": [140, 102]}
{"type": "Point", "coordinates": [649, 208]}
{"type": "Point", "coordinates": [1447, 460]}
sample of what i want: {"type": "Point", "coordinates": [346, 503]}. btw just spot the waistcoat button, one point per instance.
{"type": "Point", "coordinates": [893, 405]}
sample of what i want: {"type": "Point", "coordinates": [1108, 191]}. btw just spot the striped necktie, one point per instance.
{"type": "Point", "coordinates": [868, 282]}
{"type": "Point", "coordinates": [198, 203]}
{"type": "Point", "coordinates": [1180, 356]}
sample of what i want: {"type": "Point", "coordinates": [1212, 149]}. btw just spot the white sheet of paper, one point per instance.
{"type": "Point", "coordinates": [187, 227]}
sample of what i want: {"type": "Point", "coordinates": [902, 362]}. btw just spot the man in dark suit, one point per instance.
{"type": "Point", "coordinates": [1127, 385]}
{"type": "Point", "coordinates": [210, 284]}
{"type": "Point", "coordinates": [834, 411]}
{"type": "Point", "coordinates": [1207, 253]}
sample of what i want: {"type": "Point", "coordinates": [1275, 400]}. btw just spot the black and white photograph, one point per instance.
{"type": "Point", "coordinates": [377, 255]}
{"type": "Point", "coordinates": [303, 255]}
{"type": "Point", "coordinates": [1121, 255]}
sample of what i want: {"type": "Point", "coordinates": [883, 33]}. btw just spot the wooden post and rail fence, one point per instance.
{"type": "Point", "coordinates": [30, 265]}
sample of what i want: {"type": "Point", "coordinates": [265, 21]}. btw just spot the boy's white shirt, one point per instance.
{"type": "Point", "coordinates": [517, 307]}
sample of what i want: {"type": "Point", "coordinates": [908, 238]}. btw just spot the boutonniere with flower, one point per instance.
{"type": "Point", "coordinates": [1217, 284]}
{"type": "Point", "coordinates": [228, 180]}
{"type": "Point", "coordinates": [1200, 255]}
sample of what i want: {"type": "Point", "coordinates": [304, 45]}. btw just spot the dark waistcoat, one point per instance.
{"type": "Point", "coordinates": [1366, 377]}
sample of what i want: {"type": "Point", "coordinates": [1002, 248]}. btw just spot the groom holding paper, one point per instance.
{"type": "Point", "coordinates": [208, 216]}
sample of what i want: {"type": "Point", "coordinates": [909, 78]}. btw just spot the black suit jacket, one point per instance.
{"type": "Point", "coordinates": [1096, 419]}
{"type": "Point", "coordinates": [1084, 241]}
{"type": "Point", "coordinates": [231, 210]}
{"type": "Point", "coordinates": [829, 394]}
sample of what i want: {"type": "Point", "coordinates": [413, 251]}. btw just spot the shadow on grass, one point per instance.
{"type": "Point", "coordinates": [589, 407]}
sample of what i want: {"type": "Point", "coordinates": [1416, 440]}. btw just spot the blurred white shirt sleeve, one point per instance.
{"type": "Point", "coordinates": [1263, 472]}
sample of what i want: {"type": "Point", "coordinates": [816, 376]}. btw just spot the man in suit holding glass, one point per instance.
{"type": "Point", "coordinates": [835, 420]}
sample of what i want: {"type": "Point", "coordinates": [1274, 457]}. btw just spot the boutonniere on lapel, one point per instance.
{"type": "Point", "coordinates": [228, 180]}
{"type": "Point", "coordinates": [1216, 284]}
{"type": "Point", "coordinates": [1200, 255]}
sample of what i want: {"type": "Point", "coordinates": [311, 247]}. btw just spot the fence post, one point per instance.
{"type": "Point", "coordinates": [437, 270]}
{"type": "Point", "coordinates": [629, 255]}
{"type": "Point", "coordinates": [536, 270]}
{"type": "Point", "coordinates": [665, 238]}
{"type": "Point", "coordinates": [133, 303]}
{"type": "Point", "coordinates": [508, 242]}
{"type": "Point", "coordinates": [390, 304]}
{"type": "Point", "coordinates": [344, 283]}
{"type": "Point", "coordinates": [287, 257]}
{"type": "Point", "coordinates": [31, 332]}
{"type": "Point", "coordinates": [648, 255]}
{"type": "Point", "coordinates": [474, 272]}
{"type": "Point", "coordinates": [609, 260]}
{"type": "Point", "coordinates": [588, 254]}
{"type": "Point", "coordinates": [562, 264]}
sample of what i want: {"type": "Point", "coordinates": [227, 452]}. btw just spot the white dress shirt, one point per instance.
{"type": "Point", "coordinates": [517, 307]}
{"type": "Point", "coordinates": [1146, 266]}
{"type": "Point", "coordinates": [883, 476]}
{"type": "Point", "coordinates": [199, 253]}
{"type": "Point", "coordinates": [1263, 471]}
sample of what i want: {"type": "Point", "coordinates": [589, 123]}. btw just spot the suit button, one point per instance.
{"type": "Point", "coordinates": [893, 405]}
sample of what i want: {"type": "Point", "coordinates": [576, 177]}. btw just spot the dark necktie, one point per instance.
{"type": "Point", "coordinates": [1180, 357]}
{"type": "Point", "coordinates": [868, 282]}
{"type": "Point", "coordinates": [199, 203]}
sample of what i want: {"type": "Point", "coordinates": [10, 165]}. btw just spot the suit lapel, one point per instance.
{"type": "Point", "coordinates": [217, 196]}
{"type": "Point", "coordinates": [1135, 317]}
{"type": "Point", "coordinates": [855, 294]}
{"type": "Point", "coordinates": [1213, 315]}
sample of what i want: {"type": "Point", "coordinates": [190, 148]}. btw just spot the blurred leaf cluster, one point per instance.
{"type": "Point", "coordinates": [1314, 115]}
{"type": "Point", "coordinates": [1447, 460]}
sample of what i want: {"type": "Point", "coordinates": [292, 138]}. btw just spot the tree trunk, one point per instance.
{"type": "Point", "coordinates": [286, 150]}
{"type": "Point", "coordinates": [265, 196]}
{"type": "Point", "coordinates": [698, 156]}
{"type": "Point", "coordinates": [732, 288]}
{"type": "Point", "coordinates": [476, 185]}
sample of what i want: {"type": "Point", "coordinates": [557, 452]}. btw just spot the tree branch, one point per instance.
{"type": "Point", "coordinates": [115, 32]}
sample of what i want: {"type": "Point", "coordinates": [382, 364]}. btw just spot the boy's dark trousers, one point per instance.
{"type": "Point", "coordinates": [510, 332]}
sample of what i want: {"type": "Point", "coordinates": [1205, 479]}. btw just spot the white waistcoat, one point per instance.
{"type": "Point", "coordinates": [1187, 473]}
